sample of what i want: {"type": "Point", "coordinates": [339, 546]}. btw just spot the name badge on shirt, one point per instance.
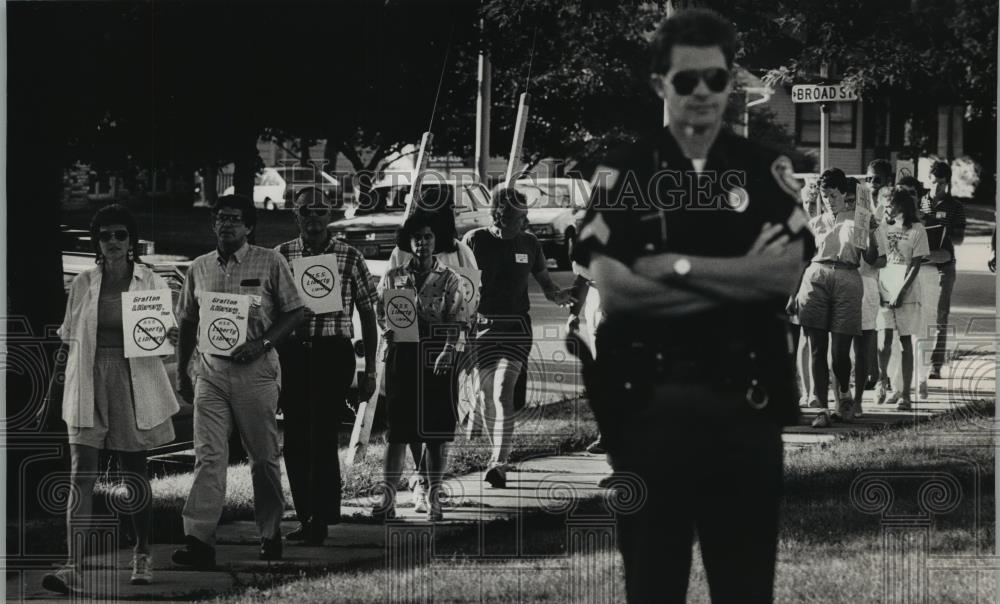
{"type": "Point", "coordinates": [941, 215]}
{"type": "Point", "coordinates": [400, 281]}
{"type": "Point", "coordinates": [521, 258]}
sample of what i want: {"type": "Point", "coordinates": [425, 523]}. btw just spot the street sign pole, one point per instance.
{"type": "Point", "coordinates": [824, 135]}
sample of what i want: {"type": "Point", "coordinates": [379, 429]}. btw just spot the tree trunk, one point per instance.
{"type": "Point", "coordinates": [244, 173]}
{"type": "Point", "coordinates": [210, 182]}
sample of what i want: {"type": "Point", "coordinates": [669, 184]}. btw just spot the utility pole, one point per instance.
{"type": "Point", "coordinates": [483, 110]}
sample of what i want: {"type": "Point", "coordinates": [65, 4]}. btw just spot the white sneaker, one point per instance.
{"type": "Point", "coordinates": [419, 498]}
{"type": "Point", "coordinates": [142, 569]}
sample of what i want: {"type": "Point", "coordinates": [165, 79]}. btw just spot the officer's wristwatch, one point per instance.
{"type": "Point", "coordinates": [268, 344]}
{"type": "Point", "coordinates": [682, 267]}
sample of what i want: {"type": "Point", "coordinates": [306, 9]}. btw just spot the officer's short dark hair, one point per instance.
{"type": "Point", "coordinates": [237, 202]}
{"type": "Point", "coordinates": [881, 168]}
{"type": "Point", "coordinates": [834, 178]}
{"type": "Point", "coordinates": [509, 197]}
{"type": "Point", "coordinates": [691, 27]}
{"type": "Point", "coordinates": [941, 169]}
{"type": "Point", "coordinates": [411, 225]}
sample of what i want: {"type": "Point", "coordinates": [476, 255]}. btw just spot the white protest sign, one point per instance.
{"type": "Point", "coordinates": [862, 217]}
{"type": "Point", "coordinates": [222, 322]}
{"type": "Point", "coordinates": [470, 279]}
{"type": "Point", "coordinates": [146, 317]}
{"type": "Point", "coordinates": [401, 315]}
{"type": "Point", "coordinates": [318, 280]}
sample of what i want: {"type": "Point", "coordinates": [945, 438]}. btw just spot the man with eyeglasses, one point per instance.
{"type": "Point", "coordinates": [317, 363]}
{"type": "Point", "coordinates": [697, 239]}
{"type": "Point", "coordinates": [236, 392]}
{"type": "Point", "coordinates": [507, 255]}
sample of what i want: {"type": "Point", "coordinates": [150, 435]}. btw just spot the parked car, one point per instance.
{"type": "Point", "coordinates": [371, 225]}
{"type": "Point", "coordinates": [555, 209]}
{"type": "Point", "coordinates": [276, 188]}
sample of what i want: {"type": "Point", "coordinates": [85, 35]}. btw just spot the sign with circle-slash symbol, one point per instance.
{"type": "Point", "coordinates": [401, 315]}
{"type": "Point", "coordinates": [319, 283]}
{"type": "Point", "coordinates": [223, 333]}
{"type": "Point", "coordinates": [149, 333]}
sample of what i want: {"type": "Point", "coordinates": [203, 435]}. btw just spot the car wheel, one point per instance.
{"type": "Point", "coordinates": [566, 257]}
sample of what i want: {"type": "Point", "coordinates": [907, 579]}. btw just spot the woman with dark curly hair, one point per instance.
{"type": "Point", "coordinates": [420, 398]}
{"type": "Point", "coordinates": [110, 402]}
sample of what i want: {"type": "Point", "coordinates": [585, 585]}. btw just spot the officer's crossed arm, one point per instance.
{"type": "Point", "coordinates": [769, 270]}
{"type": "Point", "coordinates": [623, 291]}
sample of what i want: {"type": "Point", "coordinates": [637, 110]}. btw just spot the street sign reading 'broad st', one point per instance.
{"type": "Point", "coordinates": [823, 93]}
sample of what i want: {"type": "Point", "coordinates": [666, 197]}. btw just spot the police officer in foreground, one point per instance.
{"type": "Point", "coordinates": [697, 239]}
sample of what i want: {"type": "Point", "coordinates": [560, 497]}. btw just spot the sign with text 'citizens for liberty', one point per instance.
{"type": "Point", "coordinates": [146, 317]}
{"type": "Point", "coordinates": [222, 322]}
{"type": "Point", "coordinates": [318, 280]}
{"type": "Point", "coordinates": [823, 93]}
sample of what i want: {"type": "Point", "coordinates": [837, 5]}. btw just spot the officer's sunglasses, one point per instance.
{"type": "Point", "coordinates": [306, 212]}
{"type": "Point", "coordinates": [686, 81]}
{"type": "Point", "coordinates": [105, 236]}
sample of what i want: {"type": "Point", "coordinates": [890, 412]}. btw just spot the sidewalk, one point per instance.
{"type": "Point", "coordinates": [542, 485]}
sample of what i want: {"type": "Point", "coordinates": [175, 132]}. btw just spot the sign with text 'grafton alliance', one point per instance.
{"type": "Point", "coordinates": [823, 93]}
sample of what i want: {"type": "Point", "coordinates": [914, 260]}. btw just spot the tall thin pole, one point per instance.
{"type": "Point", "coordinates": [669, 6]}
{"type": "Point", "coordinates": [824, 124]}
{"type": "Point", "coordinates": [483, 112]}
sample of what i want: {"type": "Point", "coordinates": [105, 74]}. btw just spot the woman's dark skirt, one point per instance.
{"type": "Point", "coordinates": [420, 406]}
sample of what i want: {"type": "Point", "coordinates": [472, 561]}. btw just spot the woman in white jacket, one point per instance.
{"type": "Point", "coordinates": [110, 402]}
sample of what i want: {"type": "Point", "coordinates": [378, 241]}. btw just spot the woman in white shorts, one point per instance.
{"type": "Point", "coordinates": [830, 294]}
{"type": "Point", "coordinates": [906, 242]}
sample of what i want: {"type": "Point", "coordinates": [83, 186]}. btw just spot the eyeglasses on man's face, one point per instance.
{"type": "Point", "coordinates": [221, 218]}
{"type": "Point", "coordinates": [307, 212]}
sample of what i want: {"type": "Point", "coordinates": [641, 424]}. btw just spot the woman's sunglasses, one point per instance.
{"type": "Point", "coordinates": [686, 81]}
{"type": "Point", "coordinates": [105, 236]}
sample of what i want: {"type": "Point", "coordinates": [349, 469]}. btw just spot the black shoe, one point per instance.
{"type": "Point", "coordinates": [935, 374]}
{"type": "Point", "coordinates": [270, 549]}
{"type": "Point", "coordinates": [497, 477]}
{"type": "Point", "coordinates": [195, 553]}
{"type": "Point", "coordinates": [299, 534]}
{"type": "Point", "coordinates": [317, 532]}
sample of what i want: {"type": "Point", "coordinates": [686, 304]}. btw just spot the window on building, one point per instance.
{"type": "Point", "coordinates": [843, 124]}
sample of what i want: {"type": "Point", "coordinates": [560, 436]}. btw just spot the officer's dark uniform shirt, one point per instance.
{"type": "Point", "coordinates": [648, 199]}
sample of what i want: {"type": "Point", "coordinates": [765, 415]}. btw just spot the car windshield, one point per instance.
{"type": "Point", "coordinates": [546, 196]}
{"type": "Point", "coordinates": [393, 199]}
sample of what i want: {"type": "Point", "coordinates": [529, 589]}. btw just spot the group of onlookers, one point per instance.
{"type": "Point", "coordinates": [879, 285]}
{"type": "Point", "coordinates": [297, 360]}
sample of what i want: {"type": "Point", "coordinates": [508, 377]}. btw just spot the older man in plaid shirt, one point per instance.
{"type": "Point", "coordinates": [317, 363]}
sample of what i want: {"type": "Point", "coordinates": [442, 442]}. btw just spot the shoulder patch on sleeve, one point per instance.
{"type": "Point", "coordinates": [604, 177]}
{"type": "Point", "coordinates": [597, 229]}
{"type": "Point", "coordinates": [784, 176]}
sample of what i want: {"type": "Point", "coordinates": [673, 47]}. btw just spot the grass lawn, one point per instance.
{"type": "Point", "coordinates": [829, 551]}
